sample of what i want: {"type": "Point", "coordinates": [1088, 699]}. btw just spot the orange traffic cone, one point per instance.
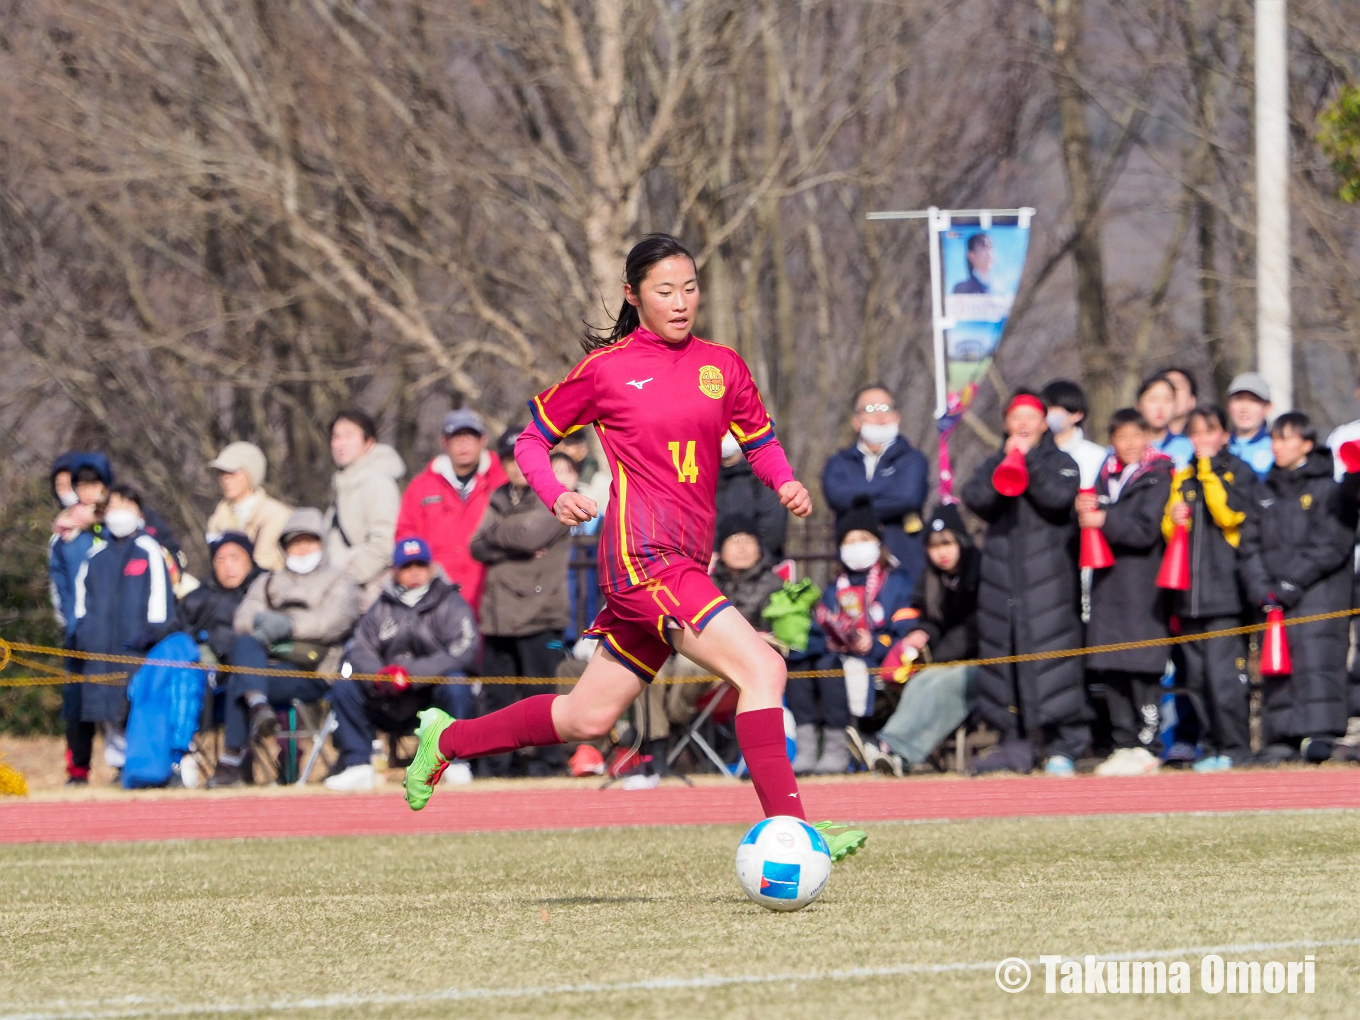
{"type": "Point", "coordinates": [1175, 572]}
{"type": "Point", "coordinates": [1011, 476]}
{"type": "Point", "coordinates": [1275, 646]}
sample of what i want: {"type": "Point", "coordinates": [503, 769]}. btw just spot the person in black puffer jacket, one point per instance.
{"type": "Point", "coordinates": [1126, 604]}
{"type": "Point", "coordinates": [206, 613]}
{"type": "Point", "coordinates": [1029, 598]}
{"type": "Point", "coordinates": [1212, 496]}
{"type": "Point", "coordinates": [1297, 549]}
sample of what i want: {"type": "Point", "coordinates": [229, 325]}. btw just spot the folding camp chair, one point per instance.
{"type": "Point", "coordinates": [312, 723]}
{"type": "Point", "coordinates": [624, 760]}
{"type": "Point", "coordinates": [720, 700]}
{"type": "Point", "coordinates": [300, 722]}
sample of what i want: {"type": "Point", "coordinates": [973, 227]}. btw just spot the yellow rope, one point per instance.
{"type": "Point", "coordinates": [7, 648]}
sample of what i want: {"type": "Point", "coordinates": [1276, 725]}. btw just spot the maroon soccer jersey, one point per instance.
{"type": "Point", "coordinates": [661, 410]}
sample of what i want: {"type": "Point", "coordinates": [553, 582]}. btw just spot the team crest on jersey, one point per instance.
{"type": "Point", "coordinates": [711, 381]}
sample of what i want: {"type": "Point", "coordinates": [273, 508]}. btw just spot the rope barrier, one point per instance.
{"type": "Point", "coordinates": [8, 648]}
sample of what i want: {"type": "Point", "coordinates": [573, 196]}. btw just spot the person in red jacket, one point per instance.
{"type": "Point", "coordinates": [445, 502]}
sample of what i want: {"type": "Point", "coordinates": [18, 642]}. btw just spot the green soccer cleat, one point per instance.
{"type": "Point", "coordinates": [428, 764]}
{"type": "Point", "coordinates": [843, 844]}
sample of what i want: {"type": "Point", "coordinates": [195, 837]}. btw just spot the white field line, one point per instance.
{"type": "Point", "coordinates": [132, 1007]}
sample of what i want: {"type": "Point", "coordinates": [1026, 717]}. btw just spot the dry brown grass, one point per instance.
{"type": "Point", "coordinates": [388, 926]}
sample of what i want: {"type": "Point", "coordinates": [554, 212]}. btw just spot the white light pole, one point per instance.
{"type": "Point", "coordinates": [1274, 342]}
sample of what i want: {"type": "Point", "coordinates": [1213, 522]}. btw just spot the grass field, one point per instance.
{"type": "Point", "coordinates": [650, 922]}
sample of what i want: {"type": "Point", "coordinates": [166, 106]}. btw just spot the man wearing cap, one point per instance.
{"type": "Point", "coordinates": [1248, 409]}
{"type": "Point", "coordinates": [419, 627]}
{"type": "Point", "coordinates": [445, 503]}
{"type": "Point", "coordinates": [297, 619]}
{"type": "Point", "coordinates": [524, 605]}
{"type": "Point", "coordinates": [245, 507]}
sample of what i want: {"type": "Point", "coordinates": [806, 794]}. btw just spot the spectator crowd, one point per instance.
{"type": "Point", "coordinates": [465, 575]}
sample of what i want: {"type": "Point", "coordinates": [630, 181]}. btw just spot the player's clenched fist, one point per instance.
{"type": "Point", "coordinates": [573, 508]}
{"type": "Point", "coordinates": [794, 496]}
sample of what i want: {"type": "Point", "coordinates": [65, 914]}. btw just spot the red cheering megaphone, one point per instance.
{"type": "Point", "coordinates": [1175, 572]}
{"type": "Point", "coordinates": [1349, 453]}
{"type": "Point", "coordinates": [1274, 645]}
{"type": "Point", "coordinates": [1095, 551]}
{"type": "Point", "coordinates": [1011, 477]}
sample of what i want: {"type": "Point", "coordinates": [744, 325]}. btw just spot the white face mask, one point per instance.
{"type": "Point", "coordinates": [730, 446]}
{"type": "Point", "coordinates": [412, 596]}
{"type": "Point", "coordinates": [122, 523]}
{"type": "Point", "coordinates": [1059, 421]}
{"type": "Point", "coordinates": [303, 564]}
{"type": "Point", "coordinates": [69, 499]}
{"type": "Point", "coordinates": [878, 435]}
{"type": "Point", "coordinates": [860, 555]}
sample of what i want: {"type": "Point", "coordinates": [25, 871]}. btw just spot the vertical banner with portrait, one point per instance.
{"type": "Point", "coordinates": [977, 260]}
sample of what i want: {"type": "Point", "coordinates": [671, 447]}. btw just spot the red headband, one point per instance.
{"type": "Point", "coordinates": [1026, 400]}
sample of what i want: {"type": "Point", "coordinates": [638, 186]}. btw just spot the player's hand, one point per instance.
{"type": "Point", "coordinates": [573, 508]}
{"type": "Point", "coordinates": [1021, 443]}
{"type": "Point", "coordinates": [1180, 512]}
{"type": "Point", "coordinates": [794, 496]}
{"type": "Point", "coordinates": [861, 641]}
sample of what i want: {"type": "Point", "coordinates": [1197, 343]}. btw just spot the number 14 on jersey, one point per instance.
{"type": "Point", "coordinates": [686, 470]}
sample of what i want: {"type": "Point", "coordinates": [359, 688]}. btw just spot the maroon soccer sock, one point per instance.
{"type": "Point", "coordinates": [526, 723]}
{"type": "Point", "coordinates": [761, 736]}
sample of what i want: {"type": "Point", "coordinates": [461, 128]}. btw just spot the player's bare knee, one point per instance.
{"type": "Point", "coordinates": [763, 671]}
{"type": "Point", "coordinates": [595, 725]}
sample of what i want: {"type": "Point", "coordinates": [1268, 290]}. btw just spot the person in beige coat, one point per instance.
{"type": "Point", "coordinates": [299, 619]}
{"type": "Point", "coordinates": [245, 506]}
{"type": "Point", "coordinates": [365, 500]}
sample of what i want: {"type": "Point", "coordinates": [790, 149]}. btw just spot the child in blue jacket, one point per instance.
{"type": "Point", "coordinates": [124, 603]}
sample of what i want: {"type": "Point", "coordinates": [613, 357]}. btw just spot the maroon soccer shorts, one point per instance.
{"type": "Point", "coordinates": [634, 622]}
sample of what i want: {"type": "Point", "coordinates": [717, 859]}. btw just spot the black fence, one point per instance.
{"type": "Point", "coordinates": [811, 546]}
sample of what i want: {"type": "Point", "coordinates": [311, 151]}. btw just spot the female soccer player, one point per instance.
{"type": "Point", "coordinates": [661, 400]}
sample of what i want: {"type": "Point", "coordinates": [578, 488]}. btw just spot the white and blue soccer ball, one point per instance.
{"type": "Point", "coordinates": [783, 863]}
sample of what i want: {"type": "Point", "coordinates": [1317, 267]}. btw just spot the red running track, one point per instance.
{"type": "Point", "coordinates": [385, 813]}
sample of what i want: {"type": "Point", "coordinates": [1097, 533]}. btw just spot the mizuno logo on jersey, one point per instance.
{"type": "Point", "coordinates": [639, 383]}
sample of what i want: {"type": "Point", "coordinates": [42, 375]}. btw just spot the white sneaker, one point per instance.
{"type": "Point", "coordinates": [188, 772]}
{"type": "Point", "coordinates": [641, 781]}
{"type": "Point", "coordinates": [1129, 761]}
{"type": "Point", "coordinates": [356, 777]}
{"type": "Point", "coordinates": [459, 773]}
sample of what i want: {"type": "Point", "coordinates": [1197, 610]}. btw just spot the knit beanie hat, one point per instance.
{"type": "Point", "coordinates": [736, 524]}
{"type": "Point", "coordinates": [860, 517]}
{"type": "Point", "coordinates": [946, 517]}
{"type": "Point", "coordinates": [231, 538]}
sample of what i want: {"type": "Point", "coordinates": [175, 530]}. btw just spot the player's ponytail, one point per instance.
{"type": "Point", "coordinates": [653, 248]}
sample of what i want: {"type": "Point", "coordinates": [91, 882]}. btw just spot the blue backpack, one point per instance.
{"type": "Point", "coordinates": [167, 704]}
